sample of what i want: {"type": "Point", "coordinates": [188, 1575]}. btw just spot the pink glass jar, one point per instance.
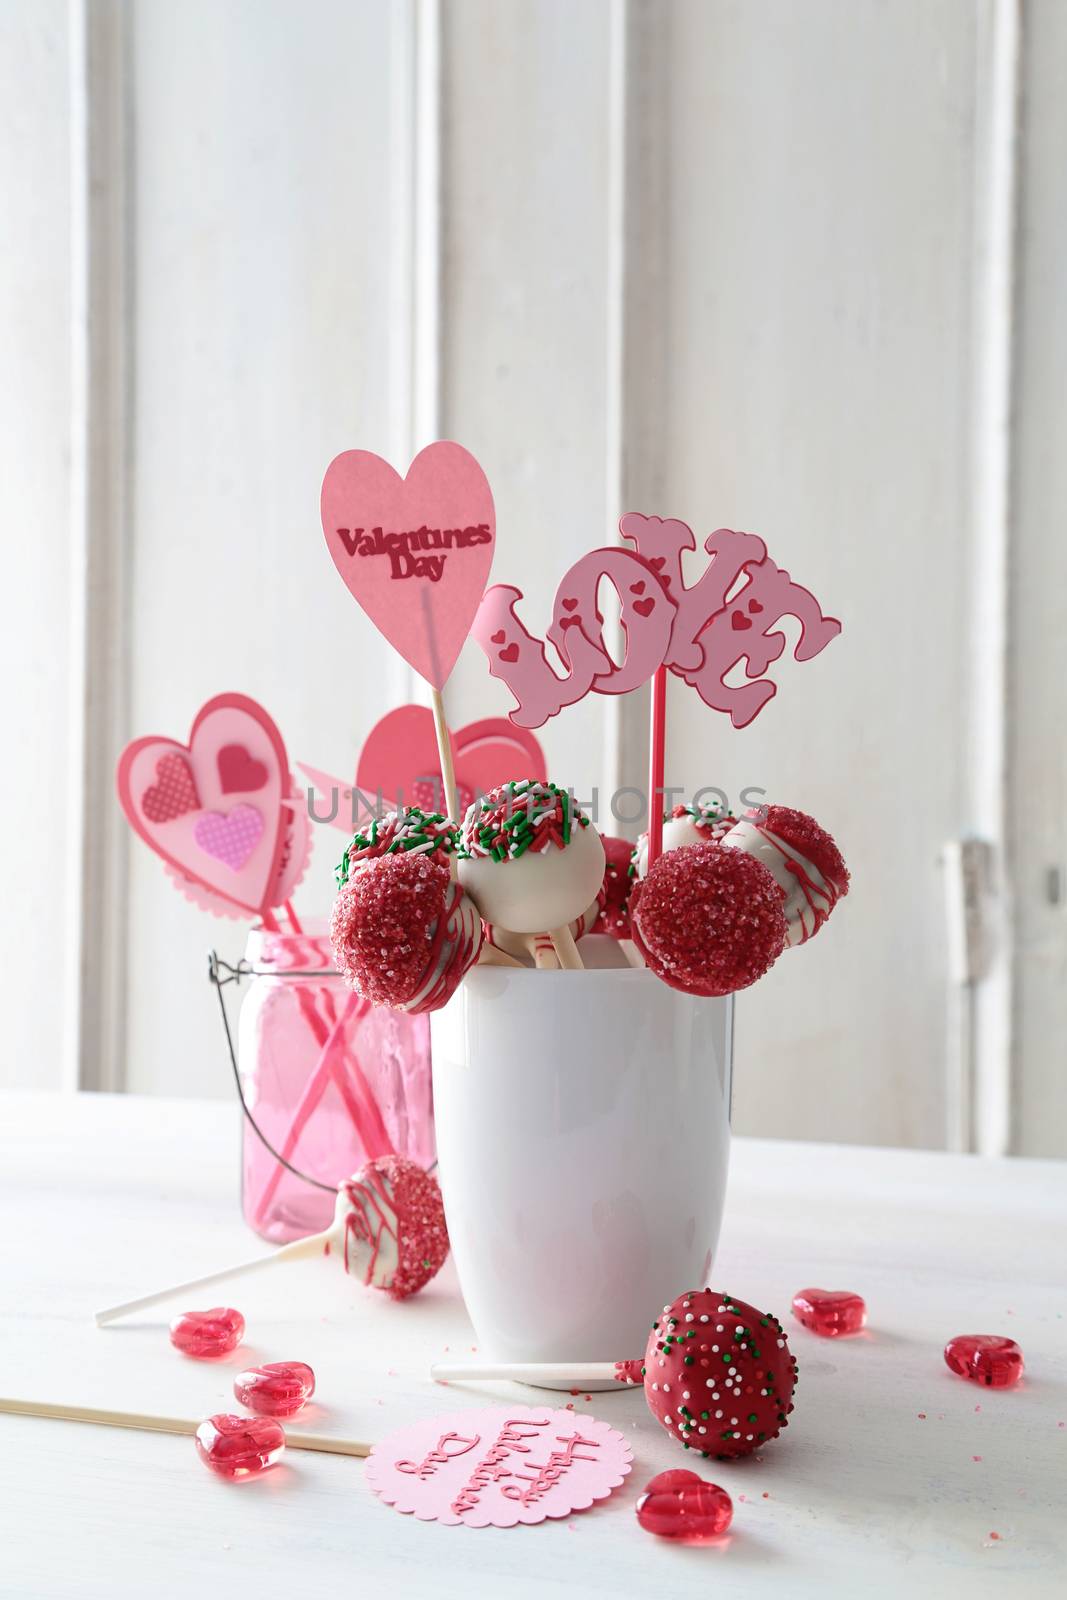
{"type": "Point", "coordinates": [331, 1081]}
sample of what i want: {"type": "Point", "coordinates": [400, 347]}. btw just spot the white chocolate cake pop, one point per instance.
{"type": "Point", "coordinates": [803, 860]}
{"type": "Point", "coordinates": [535, 862]}
{"type": "Point", "coordinates": [693, 824]}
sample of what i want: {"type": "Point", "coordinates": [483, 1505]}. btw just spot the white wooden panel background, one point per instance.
{"type": "Point", "coordinates": [740, 263]}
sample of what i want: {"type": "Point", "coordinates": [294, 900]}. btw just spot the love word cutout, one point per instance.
{"type": "Point", "coordinates": [499, 1466]}
{"type": "Point", "coordinates": [415, 551]}
{"type": "Point", "coordinates": [399, 766]}
{"type": "Point", "coordinates": [701, 632]}
{"type": "Point", "coordinates": [218, 810]}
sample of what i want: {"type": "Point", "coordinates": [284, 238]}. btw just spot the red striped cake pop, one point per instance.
{"type": "Point", "coordinates": [408, 832]}
{"type": "Point", "coordinates": [395, 1238]}
{"type": "Point", "coordinates": [719, 1375]}
{"type": "Point", "coordinates": [708, 921]}
{"type": "Point", "coordinates": [404, 933]}
{"type": "Point", "coordinates": [803, 860]}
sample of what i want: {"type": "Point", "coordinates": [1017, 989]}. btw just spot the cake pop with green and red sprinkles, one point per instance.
{"type": "Point", "coordinates": [719, 1375]}
{"type": "Point", "coordinates": [690, 824]}
{"type": "Point", "coordinates": [530, 858]}
{"type": "Point", "coordinates": [408, 832]}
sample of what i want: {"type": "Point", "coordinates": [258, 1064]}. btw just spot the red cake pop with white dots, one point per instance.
{"type": "Point", "coordinates": [404, 933]}
{"type": "Point", "coordinates": [801, 857]}
{"type": "Point", "coordinates": [614, 918]}
{"type": "Point", "coordinates": [719, 1375]}
{"type": "Point", "coordinates": [707, 920]}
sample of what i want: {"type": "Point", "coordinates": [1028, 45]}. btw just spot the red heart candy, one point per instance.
{"type": "Point", "coordinates": [238, 772]}
{"type": "Point", "coordinates": [278, 1389]}
{"type": "Point", "coordinates": [830, 1312]}
{"type": "Point", "coordinates": [239, 1447]}
{"type": "Point", "coordinates": [681, 1505]}
{"type": "Point", "coordinates": [173, 793]}
{"type": "Point", "coordinates": [988, 1358]}
{"type": "Point", "coordinates": [205, 1334]}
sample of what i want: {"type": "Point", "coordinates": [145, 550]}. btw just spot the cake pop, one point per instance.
{"type": "Point", "coordinates": [388, 1228]}
{"type": "Point", "coordinates": [534, 861]}
{"type": "Point", "coordinates": [403, 933]}
{"type": "Point", "coordinates": [706, 924]}
{"type": "Point", "coordinates": [409, 831]}
{"type": "Point", "coordinates": [803, 860]}
{"type": "Point", "coordinates": [692, 824]}
{"type": "Point", "coordinates": [614, 918]}
{"type": "Point", "coordinates": [719, 1375]}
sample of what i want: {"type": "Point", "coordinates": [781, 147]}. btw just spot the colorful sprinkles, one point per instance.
{"type": "Point", "coordinates": [520, 816]}
{"type": "Point", "coordinates": [421, 832]}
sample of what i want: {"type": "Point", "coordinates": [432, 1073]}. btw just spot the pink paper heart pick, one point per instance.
{"type": "Point", "coordinates": [186, 802]}
{"type": "Point", "coordinates": [415, 551]}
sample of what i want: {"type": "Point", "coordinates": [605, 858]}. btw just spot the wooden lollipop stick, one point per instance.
{"type": "Point", "coordinates": [566, 949]}
{"type": "Point", "coordinates": [568, 1374]}
{"type": "Point", "coordinates": [314, 1245]}
{"type": "Point", "coordinates": [490, 955]}
{"type": "Point", "coordinates": [146, 1423]}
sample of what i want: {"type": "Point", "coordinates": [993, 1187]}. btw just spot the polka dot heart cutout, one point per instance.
{"type": "Point", "coordinates": [719, 1375]}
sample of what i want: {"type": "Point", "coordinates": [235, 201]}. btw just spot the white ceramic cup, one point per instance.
{"type": "Point", "coordinates": [583, 1132]}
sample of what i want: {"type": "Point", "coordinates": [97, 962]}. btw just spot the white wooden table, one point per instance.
{"type": "Point", "coordinates": [892, 1478]}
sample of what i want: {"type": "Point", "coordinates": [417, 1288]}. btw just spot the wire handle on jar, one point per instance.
{"type": "Point", "coordinates": [220, 973]}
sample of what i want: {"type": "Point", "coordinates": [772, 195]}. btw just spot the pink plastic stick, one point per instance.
{"type": "Point", "coordinates": [657, 745]}
{"type": "Point", "coordinates": [294, 920]}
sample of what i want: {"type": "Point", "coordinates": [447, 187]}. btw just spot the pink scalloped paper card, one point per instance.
{"type": "Point", "coordinates": [496, 1467]}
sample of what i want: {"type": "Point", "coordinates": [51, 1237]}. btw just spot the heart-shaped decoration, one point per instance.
{"type": "Point", "coordinates": [644, 607]}
{"type": "Point", "coordinates": [569, 605]}
{"type": "Point", "coordinates": [830, 1312]}
{"type": "Point", "coordinates": [233, 851]}
{"type": "Point", "coordinates": [739, 622]}
{"type": "Point", "coordinates": [238, 773]}
{"type": "Point", "coordinates": [292, 864]}
{"type": "Point", "coordinates": [229, 836]}
{"type": "Point", "coordinates": [400, 760]}
{"type": "Point", "coordinates": [415, 551]}
{"type": "Point", "coordinates": [173, 792]}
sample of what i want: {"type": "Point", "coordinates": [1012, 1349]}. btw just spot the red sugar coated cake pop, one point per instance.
{"type": "Point", "coordinates": [396, 1238]}
{"type": "Point", "coordinates": [680, 1505]}
{"type": "Point", "coordinates": [205, 1334]}
{"type": "Point", "coordinates": [986, 1358]}
{"type": "Point", "coordinates": [707, 920]}
{"type": "Point", "coordinates": [803, 860]}
{"type": "Point", "coordinates": [830, 1312]}
{"type": "Point", "coordinates": [719, 1375]}
{"type": "Point", "coordinates": [614, 918]}
{"type": "Point", "coordinates": [278, 1389]}
{"type": "Point", "coordinates": [239, 1447]}
{"type": "Point", "coordinates": [403, 933]}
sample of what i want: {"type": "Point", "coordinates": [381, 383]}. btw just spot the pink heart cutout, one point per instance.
{"type": "Point", "coordinates": [400, 753]}
{"type": "Point", "coordinates": [242, 870]}
{"type": "Point", "coordinates": [416, 551]}
{"type": "Point", "coordinates": [231, 836]}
